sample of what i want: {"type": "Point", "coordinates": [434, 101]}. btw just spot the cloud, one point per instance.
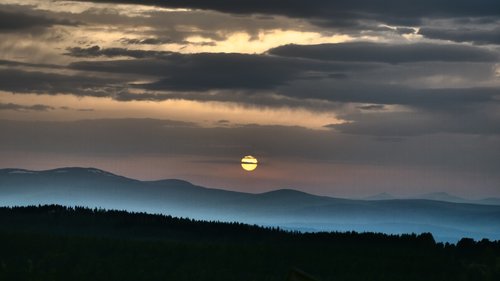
{"type": "Point", "coordinates": [161, 41]}
{"type": "Point", "coordinates": [96, 51]}
{"type": "Point", "coordinates": [263, 80]}
{"type": "Point", "coordinates": [377, 93]}
{"type": "Point", "coordinates": [191, 28]}
{"type": "Point", "coordinates": [345, 52]}
{"type": "Point", "coordinates": [12, 21]}
{"type": "Point", "coordinates": [205, 71]}
{"type": "Point", "coordinates": [117, 77]}
{"type": "Point", "coordinates": [372, 107]}
{"type": "Point", "coordinates": [341, 63]}
{"type": "Point", "coordinates": [197, 76]}
{"type": "Point", "coordinates": [474, 35]}
{"type": "Point", "coordinates": [146, 41]}
{"type": "Point", "coordinates": [77, 109]}
{"type": "Point", "coordinates": [474, 121]}
{"type": "Point", "coordinates": [10, 63]}
{"type": "Point", "coordinates": [340, 12]}
{"type": "Point", "coordinates": [387, 53]}
{"type": "Point", "coordinates": [169, 138]}
{"type": "Point", "coordinates": [20, 81]}
{"type": "Point", "coordinates": [19, 107]}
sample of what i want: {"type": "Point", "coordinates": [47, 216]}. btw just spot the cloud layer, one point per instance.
{"type": "Point", "coordinates": [411, 85]}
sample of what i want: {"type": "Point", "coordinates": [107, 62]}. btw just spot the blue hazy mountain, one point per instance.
{"type": "Point", "coordinates": [443, 196]}
{"type": "Point", "coordinates": [437, 196]}
{"type": "Point", "coordinates": [289, 209]}
{"type": "Point", "coordinates": [381, 196]}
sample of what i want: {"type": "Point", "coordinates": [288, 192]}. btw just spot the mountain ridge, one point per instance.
{"type": "Point", "coordinates": [434, 196]}
{"type": "Point", "coordinates": [90, 187]}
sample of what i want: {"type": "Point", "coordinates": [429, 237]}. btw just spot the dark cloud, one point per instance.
{"type": "Point", "coordinates": [114, 84]}
{"type": "Point", "coordinates": [96, 51]}
{"type": "Point", "coordinates": [474, 35]}
{"type": "Point", "coordinates": [372, 107]}
{"type": "Point", "coordinates": [376, 93]}
{"type": "Point", "coordinates": [340, 12]}
{"type": "Point", "coordinates": [407, 104]}
{"type": "Point", "coordinates": [209, 71]}
{"type": "Point", "coordinates": [179, 27]}
{"type": "Point", "coordinates": [332, 98]}
{"type": "Point", "coordinates": [253, 79]}
{"type": "Point", "coordinates": [246, 99]}
{"type": "Point", "coordinates": [10, 63]}
{"type": "Point", "coordinates": [20, 81]}
{"type": "Point", "coordinates": [159, 41]}
{"type": "Point", "coordinates": [77, 109]}
{"type": "Point", "coordinates": [300, 79]}
{"type": "Point", "coordinates": [11, 21]}
{"type": "Point", "coordinates": [146, 41]}
{"type": "Point", "coordinates": [19, 107]}
{"type": "Point", "coordinates": [388, 53]}
{"type": "Point", "coordinates": [405, 30]}
{"type": "Point", "coordinates": [474, 121]}
{"type": "Point", "coordinates": [206, 71]}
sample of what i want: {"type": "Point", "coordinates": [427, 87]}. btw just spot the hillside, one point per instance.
{"type": "Point", "coordinates": [59, 243]}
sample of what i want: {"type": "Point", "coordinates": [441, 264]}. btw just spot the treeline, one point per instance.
{"type": "Point", "coordinates": [61, 243]}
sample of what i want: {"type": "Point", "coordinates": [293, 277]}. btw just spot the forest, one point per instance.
{"type": "Point", "coordinates": [53, 242]}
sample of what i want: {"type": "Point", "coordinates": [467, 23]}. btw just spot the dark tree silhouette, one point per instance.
{"type": "Point", "coordinates": [60, 243]}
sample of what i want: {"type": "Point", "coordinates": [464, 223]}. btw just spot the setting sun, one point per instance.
{"type": "Point", "coordinates": [249, 163]}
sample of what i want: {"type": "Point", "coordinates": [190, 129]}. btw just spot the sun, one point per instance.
{"type": "Point", "coordinates": [249, 163]}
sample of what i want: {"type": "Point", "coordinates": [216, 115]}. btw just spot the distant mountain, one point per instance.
{"type": "Point", "coordinates": [489, 201]}
{"type": "Point", "coordinates": [286, 208]}
{"type": "Point", "coordinates": [437, 196]}
{"type": "Point", "coordinates": [442, 196]}
{"type": "Point", "coordinates": [381, 196]}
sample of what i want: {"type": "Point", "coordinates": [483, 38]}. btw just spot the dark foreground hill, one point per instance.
{"type": "Point", "coordinates": [60, 243]}
{"type": "Point", "coordinates": [285, 208]}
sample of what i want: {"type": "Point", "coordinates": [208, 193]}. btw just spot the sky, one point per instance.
{"type": "Point", "coordinates": [339, 98]}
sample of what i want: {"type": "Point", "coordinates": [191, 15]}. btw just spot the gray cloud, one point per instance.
{"type": "Point", "coordinates": [115, 84]}
{"type": "Point", "coordinates": [10, 63]}
{"type": "Point", "coordinates": [77, 109]}
{"type": "Point", "coordinates": [206, 71]}
{"type": "Point", "coordinates": [19, 107]}
{"type": "Point", "coordinates": [474, 35]}
{"type": "Point", "coordinates": [372, 107]}
{"type": "Point", "coordinates": [341, 12]}
{"type": "Point", "coordinates": [388, 53]}
{"type": "Point", "coordinates": [475, 121]}
{"type": "Point", "coordinates": [20, 81]}
{"type": "Point", "coordinates": [164, 138]}
{"type": "Point", "coordinates": [12, 21]}
{"type": "Point", "coordinates": [96, 51]}
{"type": "Point", "coordinates": [209, 71]}
{"type": "Point", "coordinates": [405, 30]}
{"type": "Point", "coordinates": [376, 93]}
{"type": "Point", "coordinates": [348, 52]}
{"type": "Point", "coordinates": [176, 27]}
{"type": "Point", "coordinates": [432, 105]}
{"type": "Point", "coordinates": [161, 41]}
{"type": "Point", "coordinates": [307, 79]}
{"type": "Point", "coordinates": [147, 41]}
{"type": "Point", "coordinates": [256, 79]}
